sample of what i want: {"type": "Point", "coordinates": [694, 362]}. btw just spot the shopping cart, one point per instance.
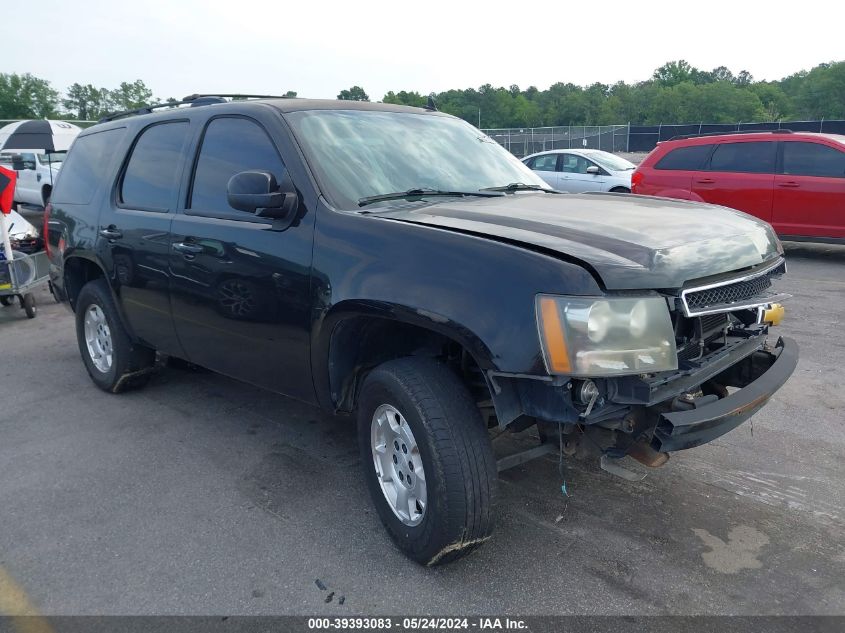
{"type": "Point", "coordinates": [19, 276]}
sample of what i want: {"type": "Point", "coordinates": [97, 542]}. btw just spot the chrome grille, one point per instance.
{"type": "Point", "coordinates": [731, 295]}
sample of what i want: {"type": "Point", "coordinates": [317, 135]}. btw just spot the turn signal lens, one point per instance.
{"type": "Point", "coordinates": [554, 342]}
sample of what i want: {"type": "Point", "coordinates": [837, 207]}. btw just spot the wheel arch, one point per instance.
{"type": "Point", "coordinates": [357, 336]}
{"type": "Point", "coordinates": [77, 271]}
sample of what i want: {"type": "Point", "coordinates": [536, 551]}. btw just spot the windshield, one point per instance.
{"type": "Point", "coordinates": [356, 154]}
{"type": "Point", "coordinates": [610, 161]}
{"type": "Point", "coordinates": [51, 157]}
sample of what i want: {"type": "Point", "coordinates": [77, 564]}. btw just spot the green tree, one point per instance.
{"type": "Point", "coordinates": [87, 102]}
{"type": "Point", "coordinates": [722, 73]}
{"type": "Point", "coordinates": [129, 96]}
{"type": "Point", "coordinates": [819, 92]}
{"type": "Point", "coordinates": [776, 104]}
{"type": "Point", "coordinates": [355, 93]}
{"type": "Point", "coordinates": [406, 98]}
{"type": "Point", "coordinates": [673, 73]}
{"type": "Point", "coordinates": [27, 97]}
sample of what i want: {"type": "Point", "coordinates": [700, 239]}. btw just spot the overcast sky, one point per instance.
{"type": "Point", "coordinates": [318, 47]}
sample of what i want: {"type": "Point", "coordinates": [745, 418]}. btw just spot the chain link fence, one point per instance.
{"type": "Point", "coordinates": [522, 142]}
{"type": "Point", "coordinates": [634, 138]}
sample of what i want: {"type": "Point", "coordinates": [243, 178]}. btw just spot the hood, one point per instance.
{"type": "Point", "coordinates": [629, 241]}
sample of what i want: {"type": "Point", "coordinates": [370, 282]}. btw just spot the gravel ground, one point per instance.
{"type": "Point", "coordinates": [201, 495]}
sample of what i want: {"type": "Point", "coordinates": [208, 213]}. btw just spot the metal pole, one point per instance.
{"type": "Point", "coordinates": [479, 117]}
{"type": "Point", "coordinates": [7, 245]}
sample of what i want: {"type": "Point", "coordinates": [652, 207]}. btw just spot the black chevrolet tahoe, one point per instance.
{"type": "Point", "coordinates": [397, 264]}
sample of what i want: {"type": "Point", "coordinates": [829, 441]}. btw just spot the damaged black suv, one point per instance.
{"type": "Point", "coordinates": [397, 264]}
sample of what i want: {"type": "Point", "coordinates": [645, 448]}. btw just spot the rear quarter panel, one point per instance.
{"type": "Point", "coordinates": [648, 181]}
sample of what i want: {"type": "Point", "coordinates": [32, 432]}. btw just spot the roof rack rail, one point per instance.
{"type": "Point", "coordinates": [683, 136]}
{"type": "Point", "coordinates": [191, 100]}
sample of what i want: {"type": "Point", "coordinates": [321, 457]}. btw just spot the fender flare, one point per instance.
{"type": "Point", "coordinates": [325, 328]}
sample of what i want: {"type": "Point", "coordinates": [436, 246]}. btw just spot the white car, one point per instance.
{"type": "Point", "coordinates": [581, 170]}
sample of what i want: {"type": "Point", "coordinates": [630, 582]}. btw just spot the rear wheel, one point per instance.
{"type": "Point", "coordinates": [113, 361]}
{"type": "Point", "coordinates": [620, 190]}
{"type": "Point", "coordinates": [427, 460]}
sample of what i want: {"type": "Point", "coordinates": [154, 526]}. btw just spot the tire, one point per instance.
{"type": "Point", "coordinates": [6, 301]}
{"type": "Point", "coordinates": [452, 447]}
{"type": "Point", "coordinates": [29, 305]}
{"type": "Point", "coordinates": [128, 364]}
{"type": "Point", "coordinates": [620, 190]}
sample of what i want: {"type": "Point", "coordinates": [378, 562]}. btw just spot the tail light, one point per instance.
{"type": "Point", "coordinates": [636, 180]}
{"type": "Point", "coordinates": [45, 235]}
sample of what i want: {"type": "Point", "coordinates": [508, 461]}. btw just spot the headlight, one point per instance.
{"type": "Point", "coordinates": [584, 336]}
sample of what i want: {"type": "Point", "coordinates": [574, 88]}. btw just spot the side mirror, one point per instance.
{"type": "Point", "coordinates": [18, 163]}
{"type": "Point", "coordinates": [258, 192]}
{"type": "Point", "coordinates": [592, 169]}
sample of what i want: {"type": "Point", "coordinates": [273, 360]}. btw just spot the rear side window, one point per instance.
{"type": "Point", "coordinates": [690, 158]}
{"type": "Point", "coordinates": [86, 166]}
{"type": "Point", "coordinates": [544, 163]}
{"type": "Point", "coordinates": [813, 159]}
{"type": "Point", "coordinates": [749, 158]}
{"type": "Point", "coordinates": [230, 145]}
{"type": "Point", "coordinates": [151, 179]}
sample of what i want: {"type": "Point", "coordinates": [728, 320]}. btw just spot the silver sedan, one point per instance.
{"type": "Point", "coordinates": [577, 170]}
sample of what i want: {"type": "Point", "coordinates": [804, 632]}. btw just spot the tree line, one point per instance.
{"type": "Point", "coordinates": [677, 92]}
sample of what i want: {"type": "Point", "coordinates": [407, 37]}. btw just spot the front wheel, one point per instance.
{"type": "Point", "coordinates": [427, 460]}
{"type": "Point", "coordinates": [113, 361]}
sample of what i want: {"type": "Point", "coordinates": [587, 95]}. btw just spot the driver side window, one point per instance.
{"type": "Point", "coordinates": [22, 161]}
{"type": "Point", "coordinates": [230, 145]}
{"type": "Point", "coordinates": [572, 164]}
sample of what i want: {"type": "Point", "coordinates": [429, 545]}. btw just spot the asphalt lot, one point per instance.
{"type": "Point", "coordinates": [201, 495]}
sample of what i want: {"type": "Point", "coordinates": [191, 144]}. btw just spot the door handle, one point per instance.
{"type": "Point", "coordinates": [705, 181]}
{"type": "Point", "coordinates": [788, 183]}
{"type": "Point", "coordinates": [187, 248]}
{"type": "Point", "coordinates": [38, 178]}
{"type": "Point", "coordinates": [111, 233]}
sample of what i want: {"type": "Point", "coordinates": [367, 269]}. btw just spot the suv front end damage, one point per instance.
{"type": "Point", "coordinates": [650, 373]}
